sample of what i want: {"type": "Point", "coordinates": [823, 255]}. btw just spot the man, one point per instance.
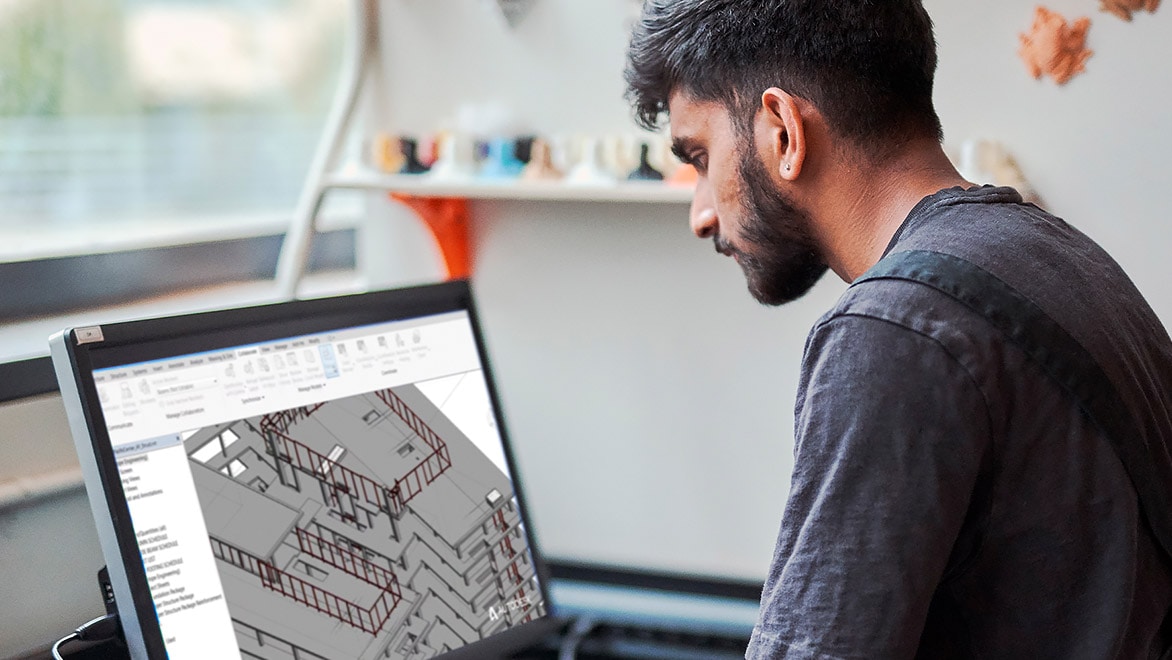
{"type": "Point", "coordinates": [950, 498]}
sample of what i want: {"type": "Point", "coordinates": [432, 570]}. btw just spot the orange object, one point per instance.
{"type": "Point", "coordinates": [1054, 48]}
{"type": "Point", "coordinates": [1125, 8]}
{"type": "Point", "coordinates": [685, 175]}
{"type": "Point", "coordinates": [447, 219]}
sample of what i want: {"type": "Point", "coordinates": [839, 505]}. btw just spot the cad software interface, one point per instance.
{"type": "Point", "coordinates": [338, 495]}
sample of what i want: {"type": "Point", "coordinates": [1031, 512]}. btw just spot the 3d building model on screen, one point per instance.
{"type": "Point", "coordinates": [371, 521]}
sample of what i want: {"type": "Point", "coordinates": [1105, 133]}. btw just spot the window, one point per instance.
{"type": "Point", "coordinates": [148, 145]}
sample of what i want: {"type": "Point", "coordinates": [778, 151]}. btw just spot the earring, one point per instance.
{"type": "Point", "coordinates": [787, 167]}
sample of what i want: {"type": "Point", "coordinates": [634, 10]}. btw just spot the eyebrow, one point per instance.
{"type": "Point", "coordinates": [681, 146]}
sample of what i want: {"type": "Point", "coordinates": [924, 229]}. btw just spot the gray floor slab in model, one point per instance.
{"type": "Point", "coordinates": [368, 527]}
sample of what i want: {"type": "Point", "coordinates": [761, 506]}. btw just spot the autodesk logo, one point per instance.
{"type": "Point", "coordinates": [495, 612]}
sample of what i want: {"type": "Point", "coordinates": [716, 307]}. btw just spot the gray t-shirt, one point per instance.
{"type": "Point", "coordinates": [948, 500]}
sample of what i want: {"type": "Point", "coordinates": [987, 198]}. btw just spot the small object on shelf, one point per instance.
{"type": "Point", "coordinates": [523, 148]}
{"type": "Point", "coordinates": [1054, 48]}
{"type": "Point", "coordinates": [618, 155]}
{"type": "Point", "coordinates": [561, 151]}
{"type": "Point", "coordinates": [411, 164]}
{"type": "Point", "coordinates": [456, 160]}
{"type": "Point", "coordinates": [685, 175]}
{"type": "Point", "coordinates": [500, 162]}
{"type": "Point", "coordinates": [663, 157]}
{"type": "Point", "coordinates": [1125, 8]}
{"type": "Point", "coordinates": [645, 172]}
{"type": "Point", "coordinates": [429, 150]}
{"type": "Point", "coordinates": [385, 153]}
{"type": "Point", "coordinates": [590, 169]}
{"type": "Point", "coordinates": [541, 167]}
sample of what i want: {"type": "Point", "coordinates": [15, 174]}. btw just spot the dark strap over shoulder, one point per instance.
{"type": "Point", "coordinates": [1059, 354]}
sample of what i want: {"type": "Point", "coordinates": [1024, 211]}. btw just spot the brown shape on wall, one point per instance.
{"type": "Point", "coordinates": [1054, 48]}
{"type": "Point", "coordinates": [1125, 8]}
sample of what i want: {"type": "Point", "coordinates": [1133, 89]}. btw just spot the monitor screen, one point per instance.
{"type": "Point", "coordinates": [340, 493]}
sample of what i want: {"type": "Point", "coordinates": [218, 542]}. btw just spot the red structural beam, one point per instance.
{"type": "Point", "coordinates": [423, 474]}
{"type": "Point", "coordinates": [283, 420]}
{"type": "Point", "coordinates": [507, 548]}
{"type": "Point", "coordinates": [358, 566]}
{"type": "Point", "coordinates": [392, 500]}
{"type": "Point", "coordinates": [368, 619]}
{"type": "Point", "coordinates": [514, 572]}
{"type": "Point", "coordinates": [330, 472]}
{"type": "Point", "coordinates": [349, 561]}
{"type": "Point", "coordinates": [435, 464]}
{"type": "Point", "coordinates": [404, 412]}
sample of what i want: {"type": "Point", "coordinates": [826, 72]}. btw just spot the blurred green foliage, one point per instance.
{"type": "Point", "coordinates": [61, 58]}
{"type": "Point", "coordinates": [64, 57]}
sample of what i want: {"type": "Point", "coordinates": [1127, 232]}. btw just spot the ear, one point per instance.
{"type": "Point", "coordinates": [785, 129]}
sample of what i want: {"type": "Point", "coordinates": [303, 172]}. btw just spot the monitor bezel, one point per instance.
{"type": "Point", "coordinates": [139, 341]}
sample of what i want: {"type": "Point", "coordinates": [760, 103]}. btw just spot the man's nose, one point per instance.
{"type": "Point", "coordinates": [703, 212]}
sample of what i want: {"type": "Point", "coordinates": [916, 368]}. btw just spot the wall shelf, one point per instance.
{"type": "Point", "coordinates": [472, 189]}
{"type": "Point", "coordinates": [441, 205]}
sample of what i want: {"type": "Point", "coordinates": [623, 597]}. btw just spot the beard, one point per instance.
{"type": "Point", "coordinates": [784, 263]}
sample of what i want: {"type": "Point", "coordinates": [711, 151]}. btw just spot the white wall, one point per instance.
{"type": "Point", "coordinates": [559, 70]}
{"type": "Point", "coordinates": [649, 399]}
{"type": "Point", "coordinates": [647, 394]}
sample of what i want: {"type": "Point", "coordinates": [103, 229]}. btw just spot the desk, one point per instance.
{"type": "Point", "coordinates": [631, 622]}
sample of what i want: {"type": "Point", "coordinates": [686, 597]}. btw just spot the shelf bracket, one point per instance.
{"type": "Point", "coordinates": [447, 220]}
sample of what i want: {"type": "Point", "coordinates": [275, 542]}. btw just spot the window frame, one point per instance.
{"type": "Point", "coordinates": [26, 378]}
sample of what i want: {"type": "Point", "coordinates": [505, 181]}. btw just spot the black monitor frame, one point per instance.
{"type": "Point", "coordinates": [75, 359]}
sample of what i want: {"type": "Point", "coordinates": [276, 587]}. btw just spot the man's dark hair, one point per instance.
{"type": "Point", "coordinates": [867, 65]}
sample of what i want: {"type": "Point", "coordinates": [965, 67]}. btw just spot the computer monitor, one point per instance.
{"type": "Point", "coordinates": [318, 479]}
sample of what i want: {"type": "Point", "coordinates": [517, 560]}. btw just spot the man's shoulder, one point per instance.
{"type": "Point", "coordinates": [1034, 253]}
{"type": "Point", "coordinates": [908, 305]}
